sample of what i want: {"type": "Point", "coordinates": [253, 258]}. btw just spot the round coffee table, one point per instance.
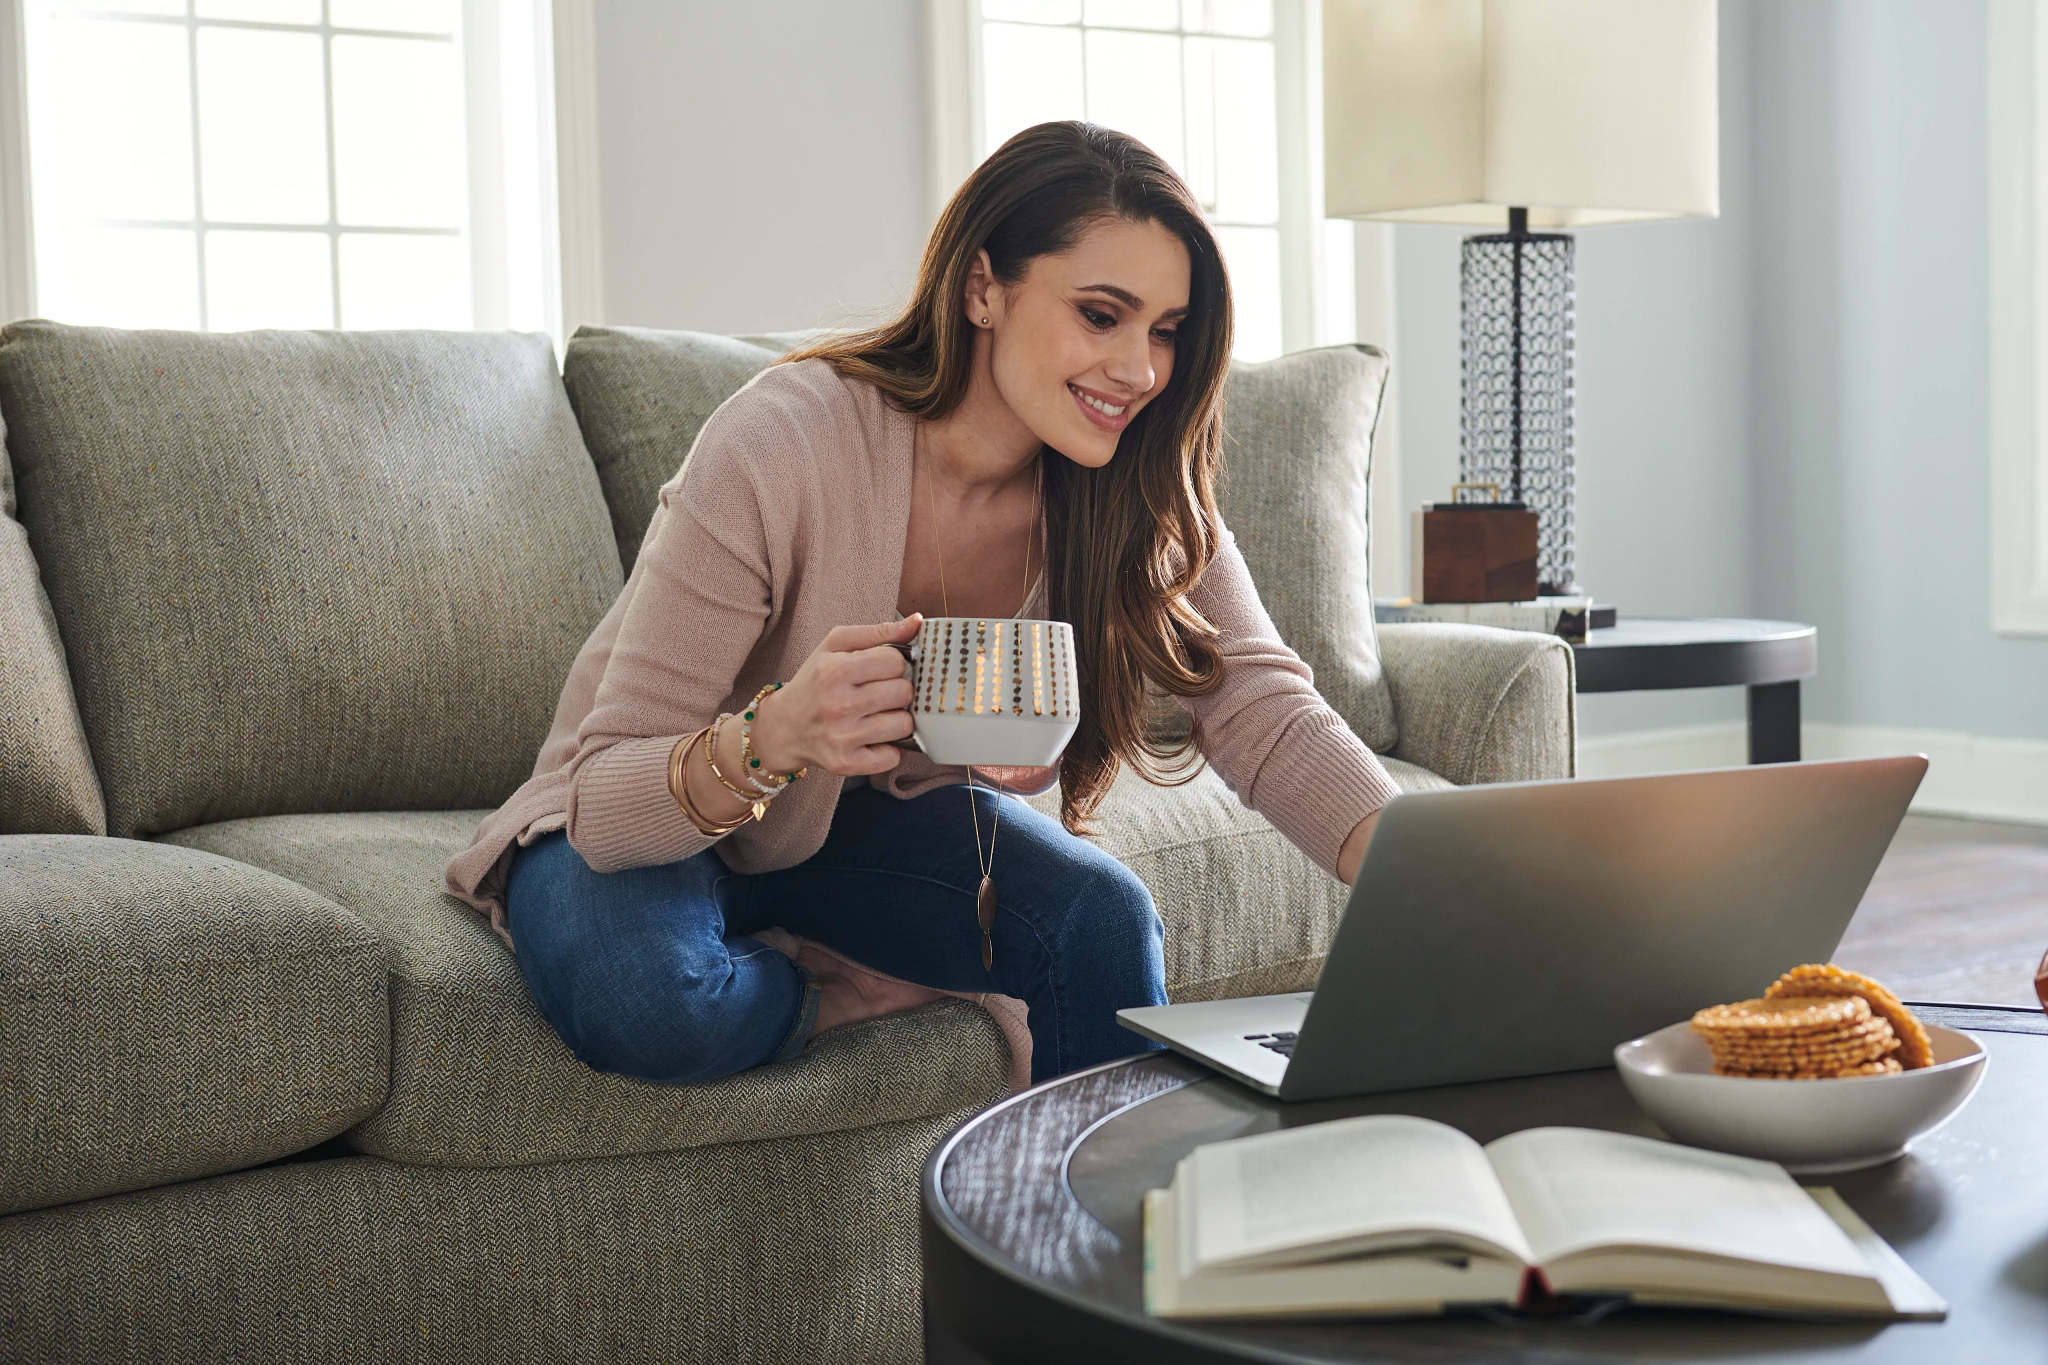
{"type": "Point", "coordinates": [1032, 1238]}
{"type": "Point", "coordinates": [1644, 653]}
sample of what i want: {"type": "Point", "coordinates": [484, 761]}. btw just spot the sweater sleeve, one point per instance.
{"type": "Point", "coordinates": [1282, 749]}
{"type": "Point", "coordinates": [695, 606]}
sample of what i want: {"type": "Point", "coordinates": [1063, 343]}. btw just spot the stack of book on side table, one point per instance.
{"type": "Point", "coordinates": [1392, 1215]}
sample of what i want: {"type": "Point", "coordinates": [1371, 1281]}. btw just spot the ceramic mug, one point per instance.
{"type": "Point", "coordinates": [993, 693]}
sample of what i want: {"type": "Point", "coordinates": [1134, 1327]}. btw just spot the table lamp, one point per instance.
{"type": "Point", "coordinates": [1524, 114]}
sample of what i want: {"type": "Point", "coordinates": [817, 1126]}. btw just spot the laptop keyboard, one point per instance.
{"type": "Point", "coordinates": [1282, 1043]}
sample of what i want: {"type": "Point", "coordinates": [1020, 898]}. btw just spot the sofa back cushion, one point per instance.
{"type": "Point", "coordinates": [47, 783]}
{"type": "Point", "coordinates": [1297, 466]}
{"type": "Point", "coordinates": [1297, 470]}
{"type": "Point", "coordinates": [306, 571]}
{"type": "Point", "coordinates": [641, 397]}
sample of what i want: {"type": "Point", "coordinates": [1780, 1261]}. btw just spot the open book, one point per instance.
{"type": "Point", "coordinates": [1397, 1215]}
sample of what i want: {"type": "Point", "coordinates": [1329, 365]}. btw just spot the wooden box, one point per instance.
{"type": "Point", "coordinates": [1475, 552]}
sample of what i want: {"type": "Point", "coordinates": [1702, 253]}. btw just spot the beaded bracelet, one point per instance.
{"type": "Point", "coordinates": [751, 765]}
{"type": "Point", "coordinates": [759, 798]}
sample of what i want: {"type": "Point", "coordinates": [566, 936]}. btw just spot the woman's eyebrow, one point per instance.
{"type": "Point", "coordinates": [1121, 295]}
{"type": "Point", "coordinates": [1130, 300]}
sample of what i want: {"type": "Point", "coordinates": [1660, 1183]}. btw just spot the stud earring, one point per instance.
{"type": "Point", "coordinates": [984, 322]}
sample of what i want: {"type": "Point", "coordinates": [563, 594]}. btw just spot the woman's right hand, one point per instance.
{"type": "Point", "coordinates": [845, 708]}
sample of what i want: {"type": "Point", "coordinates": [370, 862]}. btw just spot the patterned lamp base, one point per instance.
{"type": "Point", "coordinates": [1516, 377]}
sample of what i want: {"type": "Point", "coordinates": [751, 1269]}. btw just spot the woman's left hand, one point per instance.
{"type": "Point", "coordinates": [1353, 852]}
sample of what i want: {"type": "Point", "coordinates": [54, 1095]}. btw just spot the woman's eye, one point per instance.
{"type": "Point", "coordinates": [1165, 335]}
{"type": "Point", "coordinates": [1097, 318]}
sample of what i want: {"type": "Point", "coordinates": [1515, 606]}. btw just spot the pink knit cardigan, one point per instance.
{"type": "Point", "coordinates": [789, 519]}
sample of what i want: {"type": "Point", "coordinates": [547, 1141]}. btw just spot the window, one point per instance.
{"type": "Point", "coordinates": [2019, 316]}
{"type": "Point", "coordinates": [230, 164]}
{"type": "Point", "coordinates": [1228, 92]}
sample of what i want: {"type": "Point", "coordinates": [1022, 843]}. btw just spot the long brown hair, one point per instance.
{"type": "Point", "coordinates": [1124, 542]}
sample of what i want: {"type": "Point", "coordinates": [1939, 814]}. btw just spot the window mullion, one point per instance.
{"type": "Point", "coordinates": [198, 170]}
{"type": "Point", "coordinates": [333, 188]}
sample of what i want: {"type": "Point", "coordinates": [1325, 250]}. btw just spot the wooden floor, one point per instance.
{"type": "Point", "coordinates": [1957, 911]}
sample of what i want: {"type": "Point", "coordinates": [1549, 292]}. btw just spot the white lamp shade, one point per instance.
{"type": "Point", "coordinates": [1581, 111]}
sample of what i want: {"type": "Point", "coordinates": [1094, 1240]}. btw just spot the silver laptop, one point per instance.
{"type": "Point", "coordinates": [1526, 928]}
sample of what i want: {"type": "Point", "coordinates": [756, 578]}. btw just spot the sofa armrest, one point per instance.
{"type": "Point", "coordinates": [167, 1014]}
{"type": "Point", "coordinates": [1477, 704]}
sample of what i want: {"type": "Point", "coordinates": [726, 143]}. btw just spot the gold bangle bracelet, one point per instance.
{"type": "Point", "coordinates": [679, 788]}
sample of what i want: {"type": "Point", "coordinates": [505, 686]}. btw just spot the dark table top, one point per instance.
{"type": "Point", "coordinates": [1033, 1235]}
{"type": "Point", "coordinates": [1648, 652]}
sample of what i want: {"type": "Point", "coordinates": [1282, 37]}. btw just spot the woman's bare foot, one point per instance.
{"type": "Point", "coordinates": [847, 991]}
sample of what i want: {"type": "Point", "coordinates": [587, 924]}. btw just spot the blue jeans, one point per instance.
{"type": "Point", "coordinates": [650, 972]}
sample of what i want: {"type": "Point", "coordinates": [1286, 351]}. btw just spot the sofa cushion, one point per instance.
{"type": "Point", "coordinates": [47, 782]}
{"type": "Point", "coordinates": [1246, 912]}
{"type": "Point", "coordinates": [1297, 467]}
{"type": "Point", "coordinates": [306, 570]}
{"type": "Point", "coordinates": [166, 1014]}
{"type": "Point", "coordinates": [478, 1078]}
{"type": "Point", "coordinates": [800, 1249]}
{"type": "Point", "coordinates": [641, 397]}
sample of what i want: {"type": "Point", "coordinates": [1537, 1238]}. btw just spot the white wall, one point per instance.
{"type": "Point", "coordinates": [1871, 364]}
{"type": "Point", "coordinates": [762, 161]}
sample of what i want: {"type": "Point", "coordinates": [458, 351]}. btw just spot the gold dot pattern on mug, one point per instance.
{"type": "Point", "coordinates": [1037, 669]}
{"type": "Point", "coordinates": [980, 664]}
{"type": "Point", "coordinates": [960, 690]}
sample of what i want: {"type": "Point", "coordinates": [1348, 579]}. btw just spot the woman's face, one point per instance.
{"type": "Point", "coordinates": [1085, 339]}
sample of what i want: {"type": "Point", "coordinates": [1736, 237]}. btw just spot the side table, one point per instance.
{"type": "Point", "coordinates": [1768, 657]}
{"type": "Point", "coordinates": [1033, 1243]}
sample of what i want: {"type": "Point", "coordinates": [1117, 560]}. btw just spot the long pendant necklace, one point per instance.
{"type": "Point", "coordinates": [985, 894]}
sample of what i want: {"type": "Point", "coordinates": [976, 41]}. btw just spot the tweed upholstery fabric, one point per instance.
{"type": "Point", "coordinates": [1483, 705]}
{"type": "Point", "coordinates": [798, 1249]}
{"type": "Point", "coordinates": [47, 782]}
{"type": "Point", "coordinates": [479, 1079]}
{"type": "Point", "coordinates": [641, 397]}
{"type": "Point", "coordinates": [1297, 464]}
{"type": "Point", "coordinates": [306, 570]}
{"type": "Point", "coordinates": [1246, 912]}
{"type": "Point", "coordinates": [166, 1014]}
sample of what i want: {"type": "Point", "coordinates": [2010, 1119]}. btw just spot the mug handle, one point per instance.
{"type": "Point", "coordinates": [912, 655]}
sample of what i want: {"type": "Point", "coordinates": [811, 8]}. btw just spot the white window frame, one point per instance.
{"type": "Point", "coordinates": [561, 157]}
{"type": "Point", "coordinates": [2018, 107]}
{"type": "Point", "coordinates": [1309, 314]}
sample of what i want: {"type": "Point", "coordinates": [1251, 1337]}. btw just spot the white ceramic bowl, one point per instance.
{"type": "Point", "coordinates": [1810, 1127]}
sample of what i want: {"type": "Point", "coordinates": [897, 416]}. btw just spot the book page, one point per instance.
{"type": "Point", "coordinates": [1331, 1189]}
{"type": "Point", "coordinates": [1574, 1189]}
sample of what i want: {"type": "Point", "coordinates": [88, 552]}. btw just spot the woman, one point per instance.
{"type": "Point", "coordinates": [1037, 435]}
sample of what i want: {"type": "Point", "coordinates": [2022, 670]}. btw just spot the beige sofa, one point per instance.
{"type": "Point", "coordinates": [282, 615]}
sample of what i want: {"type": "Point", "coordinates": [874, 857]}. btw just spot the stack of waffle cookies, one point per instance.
{"type": "Point", "coordinates": [1816, 1022]}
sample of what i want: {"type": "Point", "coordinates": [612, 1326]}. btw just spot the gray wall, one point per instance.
{"type": "Point", "coordinates": [762, 161]}
{"type": "Point", "coordinates": [1870, 365]}
{"type": "Point", "coordinates": [1664, 402]}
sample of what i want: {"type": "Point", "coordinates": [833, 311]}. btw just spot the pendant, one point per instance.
{"type": "Point", "coordinates": [985, 912]}
{"type": "Point", "coordinates": [760, 809]}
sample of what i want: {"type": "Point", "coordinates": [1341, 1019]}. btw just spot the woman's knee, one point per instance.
{"type": "Point", "coordinates": [1113, 908]}
{"type": "Point", "coordinates": [679, 1023]}
{"type": "Point", "coordinates": [634, 974]}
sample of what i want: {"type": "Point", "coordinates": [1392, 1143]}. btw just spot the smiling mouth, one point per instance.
{"type": "Point", "coordinates": [1100, 411]}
